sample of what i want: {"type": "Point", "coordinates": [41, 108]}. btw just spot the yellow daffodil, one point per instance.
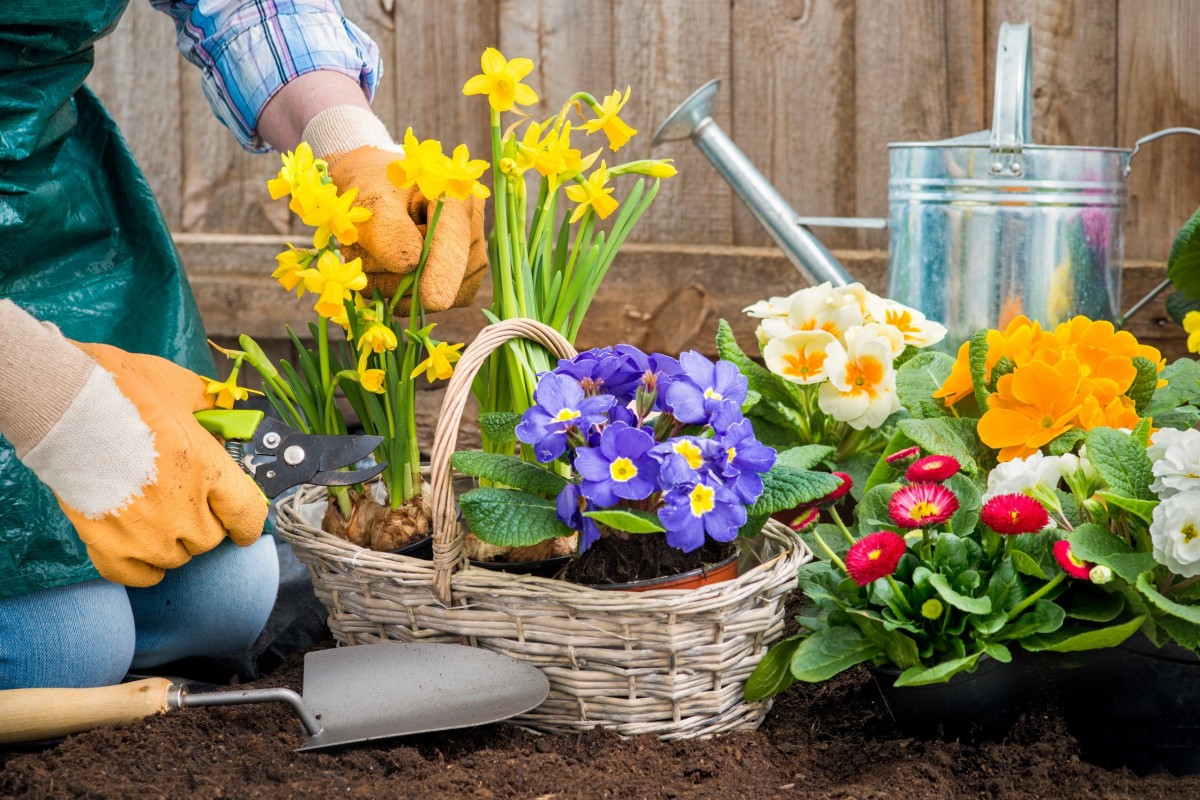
{"type": "Point", "coordinates": [227, 391]}
{"type": "Point", "coordinates": [592, 193]}
{"type": "Point", "coordinates": [653, 167]}
{"type": "Point", "coordinates": [615, 128]}
{"type": "Point", "coordinates": [342, 320]}
{"type": "Point", "coordinates": [1191, 324]}
{"type": "Point", "coordinates": [378, 338]}
{"type": "Point", "coordinates": [338, 217]}
{"type": "Point", "coordinates": [291, 263]}
{"type": "Point", "coordinates": [558, 161]}
{"type": "Point", "coordinates": [371, 380]}
{"type": "Point", "coordinates": [334, 280]}
{"type": "Point", "coordinates": [423, 166]}
{"type": "Point", "coordinates": [501, 81]}
{"type": "Point", "coordinates": [300, 169]}
{"type": "Point", "coordinates": [439, 364]}
{"type": "Point", "coordinates": [462, 175]}
{"type": "Point", "coordinates": [526, 150]}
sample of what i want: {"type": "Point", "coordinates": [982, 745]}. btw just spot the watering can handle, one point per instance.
{"type": "Point", "coordinates": [1012, 113]}
{"type": "Point", "coordinates": [1150, 137]}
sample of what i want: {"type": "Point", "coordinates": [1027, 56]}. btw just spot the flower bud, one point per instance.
{"type": "Point", "coordinates": [932, 608]}
{"type": "Point", "coordinates": [1100, 574]}
{"type": "Point", "coordinates": [647, 394]}
{"type": "Point", "coordinates": [508, 166]}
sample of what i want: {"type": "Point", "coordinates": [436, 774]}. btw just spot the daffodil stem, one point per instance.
{"type": "Point", "coordinates": [1038, 595]}
{"type": "Point", "coordinates": [323, 356]}
{"type": "Point", "coordinates": [416, 311]}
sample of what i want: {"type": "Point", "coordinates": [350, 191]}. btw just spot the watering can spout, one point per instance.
{"type": "Point", "coordinates": [693, 120]}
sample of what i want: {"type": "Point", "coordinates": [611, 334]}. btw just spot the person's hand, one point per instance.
{"type": "Point", "coordinates": [358, 150]}
{"type": "Point", "coordinates": [112, 434]}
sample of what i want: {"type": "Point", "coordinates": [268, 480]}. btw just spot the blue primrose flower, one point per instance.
{"type": "Point", "coordinates": [690, 511]}
{"type": "Point", "coordinates": [746, 459]}
{"type": "Point", "coordinates": [559, 405]}
{"type": "Point", "coordinates": [686, 459]}
{"type": "Point", "coordinates": [570, 507]}
{"type": "Point", "coordinates": [708, 385]}
{"type": "Point", "coordinates": [621, 468]}
{"type": "Point", "coordinates": [602, 371]}
{"type": "Point", "coordinates": [664, 369]}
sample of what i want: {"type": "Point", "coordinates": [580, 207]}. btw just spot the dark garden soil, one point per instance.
{"type": "Point", "coordinates": [829, 741]}
{"type": "Point", "coordinates": [612, 559]}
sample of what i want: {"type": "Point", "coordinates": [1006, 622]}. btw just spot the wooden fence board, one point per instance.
{"type": "Point", "coordinates": [145, 102]}
{"type": "Point", "coordinates": [793, 95]}
{"type": "Point", "coordinates": [1159, 87]}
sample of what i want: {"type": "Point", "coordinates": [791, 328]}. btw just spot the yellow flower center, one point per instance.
{"type": "Point", "coordinates": [1077, 562]}
{"type": "Point", "coordinates": [712, 394]}
{"type": "Point", "coordinates": [801, 365]}
{"type": "Point", "coordinates": [875, 554]}
{"type": "Point", "coordinates": [622, 470]}
{"type": "Point", "coordinates": [1047, 421]}
{"type": "Point", "coordinates": [690, 452]}
{"type": "Point", "coordinates": [567, 414]}
{"type": "Point", "coordinates": [923, 509]}
{"type": "Point", "coordinates": [732, 454]}
{"type": "Point", "coordinates": [901, 320]}
{"type": "Point", "coordinates": [702, 500]}
{"type": "Point", "coordinates": [1189, 532]}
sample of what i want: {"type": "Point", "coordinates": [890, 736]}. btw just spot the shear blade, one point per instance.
{"type": "Point", "coordinates": [346, 451]}
{"type": "Point", "coordinates": [342, 478]}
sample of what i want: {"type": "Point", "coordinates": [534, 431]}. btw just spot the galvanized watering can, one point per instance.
{"type": "Point", "coordinates": [982, 227]}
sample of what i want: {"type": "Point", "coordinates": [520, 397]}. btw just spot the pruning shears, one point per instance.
{"type": "Point", "coordinates": [279, 457]}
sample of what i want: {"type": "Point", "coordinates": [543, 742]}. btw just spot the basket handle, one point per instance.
{"type": "Point", "coordinates": [447, 533]}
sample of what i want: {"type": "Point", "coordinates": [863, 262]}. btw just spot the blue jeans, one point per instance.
{"type": "Point", "coordinates": [92, 633]}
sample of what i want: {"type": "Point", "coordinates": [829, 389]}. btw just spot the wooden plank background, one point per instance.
{"type": "Point", "coordinates": [812, 91]}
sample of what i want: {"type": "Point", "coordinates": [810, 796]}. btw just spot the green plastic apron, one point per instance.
{"type": "Point", "coordinates": [82, 245]}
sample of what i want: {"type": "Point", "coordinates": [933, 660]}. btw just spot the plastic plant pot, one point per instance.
{"type": "Point", "coordinates": [422, 549]}
{"type": "Point", "coordinates": [971, 706]}
{"type": "Point", "coordinates": [546, 568]}
{"type": "Point", "coordinates": [725, 570]}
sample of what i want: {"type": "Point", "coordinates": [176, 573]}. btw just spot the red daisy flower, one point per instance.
{"type": "Point", "coordinates": [1014, 513]}
{"type": "Point", "coordinates": [921, 505]}
{"type": "Point", "coordinates": [902, 457]}
{"type": "Point", "coordinates": [874, 556]}
{"type": "Point", "coordinates": [932, 468]}
{"type": "Point", "coordinates": [805, 520]}
{"type": "Point", "coordinates": [836, 494]}
{"type": "Point", "coordinates": [1070, 564]}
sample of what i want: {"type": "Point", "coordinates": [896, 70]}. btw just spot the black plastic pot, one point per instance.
{"type": "Point", "coordinates": [546, 568]}
{"type": "Point", "coordinates": [422, 549]}
{"type": "Point", "coordinates": [1137, 706]}
{"type": "Point", "coordinates": [972, 706]}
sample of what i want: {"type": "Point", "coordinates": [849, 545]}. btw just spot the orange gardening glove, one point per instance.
{"type": "Point", "coordinates": [358, 149]}
{"type": "Point", "coordinates": [144, 485]}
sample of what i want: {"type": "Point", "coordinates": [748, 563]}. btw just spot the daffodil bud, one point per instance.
{"type": "Point", "coordinates": [1100, 574]}
{"type": "Point", "coordinates": [257, 358]}
{"type": "Point", "coordinates": [508, 166]}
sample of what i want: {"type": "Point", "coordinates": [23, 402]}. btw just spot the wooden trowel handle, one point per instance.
{"type": "Point", "coordinates": [30, 715]}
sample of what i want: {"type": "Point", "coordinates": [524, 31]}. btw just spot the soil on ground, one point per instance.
{"type": "Point", "coordinates": [833, 740]}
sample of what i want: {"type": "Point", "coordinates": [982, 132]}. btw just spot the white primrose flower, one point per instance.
{"type": "Point", "coordinates": [1178, 468]}
{"type": "Point", "coordinates": [892, 334]}
{"type": "Point", "coordinates": [870, 305]}
{"type": "Point", "coordinates": [917, 330]}
{"type": "Point", "coordinates": [1024, 475]}
{"type": "Point", "coordinates": [1175, 534]}
{"type": "Point", "coordinates": [861, 390]}
{"type": "Point", "coordinates": [817, 308]}
{"type": "Point", "coordinates": [765, 309]}
{"type": "Point", "coordinates": [800, 357]}
{"type": "Point", "coordinates": [1163, 438]}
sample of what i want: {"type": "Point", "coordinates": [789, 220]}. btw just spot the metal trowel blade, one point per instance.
{"type": "Point", "coordinates": [376, 691]}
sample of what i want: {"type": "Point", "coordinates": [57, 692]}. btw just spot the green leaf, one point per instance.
{"type": "Point", "coordinates": [1121, 461]}
{"type": "Point", "coordinates": [938, 673]}
{"type": "Point", "coordinates": [1044, 616]}
{"type": "Point", "coordinates": [1183, 387]}
{"type": "Point", "coordinates": [977, 355]}
{"type": "Point", "coordinates": [1067, 442]}
{"type": "Point", "coordinates": [1001, 368]}
{"type": "Point", "coordinates": [1091, 542]}
{"type": "Point", "coordinates": [1183, 264]}
{"type": "Point", "coordinates": [511, 518]}
{"type": "Point", "coordinates": [759, 378]}
{"type": "Point", "coordinates": [971, 605]}
{"type": "Point", "coordinates": [753, 525]}
{"type": "Point", "coordinates": [1141, 432]}
{"type": "Point", "coordinates": [510, 471]}
{"type": "Point", "coordinates": [1070, 640]}
{"type": "Point", "coordinates": [499, 426]}
{"type": "Point", "coordinates": [998, 652]}
{"type": "Point", "coordinates": [627, 519]}
{"type": "Point", "coordinates": [1179, 304]}
{"type": "Point", "coordinates": [806, 457]}
{"type": "Point", "coordinates": [1036, 547]}
{"type": "Point", "coordinates": [970, 502]}
{"type": "Point", "coordinates": [773, 673]}
{"type": "Point", "coordinates": [872, 510]}
{"type": "Point", "coordinates": [1142, 509]}
{"type": "Point", "coordinates": [1146, 586]}
{"type": "Point", "coordinates": [828, 652]}
{"type": "Point", "coordinates": [785, 487]}
{"type": "Point", "coordinates": [1092, 604]}
{"type": "Point", "coordinates": [1144, 383]}
{"type": "Point", "coordinates": [918, 379]}
{"type": "Point", "coordinates": [948, 436]}
{"type": "Point", "coordinates": [858, 467]}
{"type": "Point", "coordinates": [899, 648]}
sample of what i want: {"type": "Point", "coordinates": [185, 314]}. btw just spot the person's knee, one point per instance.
{"type": "Point", "coordinates": [215, 604]}
{"type": "Point", "coordinates": [74, 636]}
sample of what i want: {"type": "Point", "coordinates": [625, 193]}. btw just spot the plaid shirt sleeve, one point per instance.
{"type": "Point", "coordinates": [248, 49]}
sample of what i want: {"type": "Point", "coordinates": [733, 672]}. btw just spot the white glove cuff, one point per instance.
{"type": "Point", "coordinates": [340, 129]}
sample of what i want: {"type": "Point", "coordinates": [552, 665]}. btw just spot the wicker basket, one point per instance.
{"type": "Point", "coordinates": [668, 662]}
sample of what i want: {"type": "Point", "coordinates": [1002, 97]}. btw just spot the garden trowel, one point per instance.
{"type": "Point", "coordinates": [351, 694]}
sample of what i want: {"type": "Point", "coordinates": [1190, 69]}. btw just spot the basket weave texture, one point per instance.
{"type": "Point", "coordinates": [668, 662]}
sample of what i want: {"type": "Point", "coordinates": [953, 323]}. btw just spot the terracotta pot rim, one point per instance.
{"type": "Point", "coordinates": [673, 581]}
